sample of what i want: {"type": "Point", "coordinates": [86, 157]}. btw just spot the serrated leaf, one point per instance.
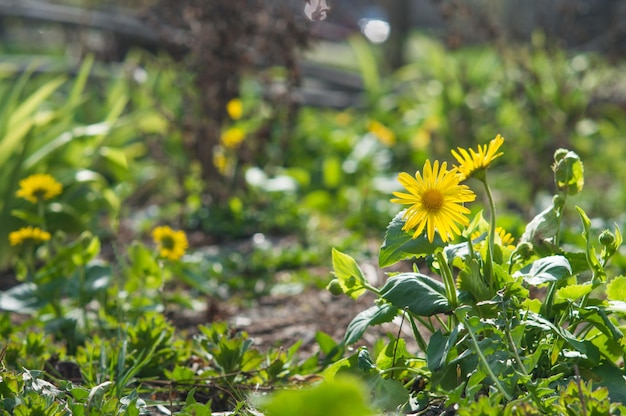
{"type": "Point", "coordinates": [421, 294]}
{"type": "Point", "coordinates": [400, 245]}
{"type": "Point", "coordinates": [375, 315]}
{"type": "Point", "coordinates": [572, 292]}
{"type": "Point", "coordinates": [616, 289]}
{"type": "Point", "coordinates": [349, 274]}
{"type": "Point", "coordinates": [547, 269]}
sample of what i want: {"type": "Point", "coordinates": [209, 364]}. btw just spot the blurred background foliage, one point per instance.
{"type": "Point", "coordinates": [129, 109]}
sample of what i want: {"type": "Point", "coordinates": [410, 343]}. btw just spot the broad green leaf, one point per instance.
{"type": "Point", "coordinates": [375, 315]}
{"type": "Point", "coordinates": [423, 295]}
{"type": "Point", "coordinates": [572, 292]}
{"type": "Point", "coordinates": [616, 289]}
{"type": "Point", "coordinates": [349, 274]}
{"type": "Point", "coordinates": [547, 269]}
{"type": "Point", "coordinates": [400, 245]}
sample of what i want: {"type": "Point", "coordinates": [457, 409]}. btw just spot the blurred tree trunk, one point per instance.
{"type": "Point", "coordinates": [399, 12]}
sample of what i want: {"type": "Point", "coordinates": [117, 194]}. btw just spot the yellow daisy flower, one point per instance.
{"type": "Point", "coordinates": [472, 162]}
{"type": "Point", "coordinates": [232, 137]}
{"type": "Point", "coordinates": [28, 234]}
{"type": "Point", "coordinates": [436, 199]}
{"type": "Point", "coordinates": [170, 243]}
{"type": "Point", "coordinates": [39, 187]}
{"type": "Point", "coordinates": [234, 108]}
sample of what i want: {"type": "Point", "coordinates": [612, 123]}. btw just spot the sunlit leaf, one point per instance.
{"type": "Point", "coordinates": [572, 292]}
{"type": "Point", "coordinates": [616, 289]}
{"type": "Point", "coordinates": [349, 274]}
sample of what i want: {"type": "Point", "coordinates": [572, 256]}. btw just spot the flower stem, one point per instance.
{"type": "Point", "coordinates": [492, 235]}
{"type": "Point", "coordinates": [448, 280]}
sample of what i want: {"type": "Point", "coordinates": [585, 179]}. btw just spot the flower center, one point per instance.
{"type": "Point", "coordinates": [432, 200]}
{"type": "Point", "coordinates": [167, 242]}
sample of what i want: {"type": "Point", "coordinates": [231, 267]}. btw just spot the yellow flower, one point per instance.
{"type": "Point", "coordinates": [220, 162]}
{"type": "Point", "coordinates": [39, 187]}
{"type": "Point", "coordinates": [472, 163]}
{"type": "Point", "coordinates": [506, 239]}
{"type": "Point", "coordinates": [170, 243]}
{"type": "Point", "coordinates": [382, 133]}
{"type": "Point", "coordinates": [28, 234]}
{"type": "Point", "coordinates": [234, 108]}
{"type": "Point", "coordinates": [436, 200]}
{"type": "Point", "coordinates": [232, 137]}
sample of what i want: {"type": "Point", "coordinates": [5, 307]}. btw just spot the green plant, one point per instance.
{"type": "Point", "coordinates": [479, 329]}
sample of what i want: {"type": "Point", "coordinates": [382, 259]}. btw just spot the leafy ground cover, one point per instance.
{"type": "Point", "coordinates": [127, 289]}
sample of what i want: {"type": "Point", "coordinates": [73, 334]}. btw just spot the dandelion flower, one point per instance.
{"type": "Point", "coordinates": [473, 162]}
{"type": "Point", "coordinates": [28, 234]}
{"type": "Point", "coordinates": [234, 108]}
{"type": "Point", "coordinates": [39, 187]}
{"type": "Point", "coordinates": [436, 199]}
{"type": "Point", "coordinates": [170, 243]}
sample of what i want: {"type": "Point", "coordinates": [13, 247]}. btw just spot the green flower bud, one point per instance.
{"type": "Point", "coordinates": [560, 154]}
{"type": "Point", "coordinates": [607, 239]}
{"type": "Point", "coordinates": [334, 287]}
{"type": "Point", "coordinates": [524, 250]}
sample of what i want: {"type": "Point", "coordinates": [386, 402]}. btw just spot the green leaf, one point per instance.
{"type": "Point", "coordinates": [439, 347]}
{"type": "Point", "coordinates": [616, 289]}
{"type": "Point", "coordinates": [349, 274]}
{"type": "Point", "coordinates": [400, 245]}
{"type": "Point", "coordinates": [375, 315]}
{"type": "Point", "coordinates": [542, 229]}
{"type": "Point", "coordinates": [388, 394]}
{"type": "Point", "coordinates": [592, 258]}
{"type": "Point", "coordinates": [346, 396]}
{"type": "Point", "coordinates": [422, 295]}
{"type": "Point", "coordinates": [547, 269]}
{"type": "Point", "coordinates": [572, 292]}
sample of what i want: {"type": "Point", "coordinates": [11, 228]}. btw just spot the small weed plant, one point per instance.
{"type": "Point", "coordinates": [531, 328]}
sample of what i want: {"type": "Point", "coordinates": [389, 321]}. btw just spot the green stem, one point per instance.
{"type": "Point", "coordinates": [448, 279]}
{"type": "Point", "coordinates": [492, 235]}
{"type": "Point", "coordinates": [421, 342]}
{"type": "Point", "coordinates": [483, 360]}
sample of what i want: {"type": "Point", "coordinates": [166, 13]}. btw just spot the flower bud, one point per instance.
{"type": "Point", "coordinates": [334, 287]}
{"type": "Point", "coordinates": [607, 239]}
{"type": "Point", "coordinates": [559, 154]}
{"type": "Point", "coordinates": [524, 250]}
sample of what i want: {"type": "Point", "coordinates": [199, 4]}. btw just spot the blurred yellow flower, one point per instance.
{"type": "Point", "coordinates": [382, 133]}
{"type": "Point", "coordinates": [234, 108]}
{"type": "Point", "coordinates": [39, 187]}
{"type": "Point", "coordinates": [436, 200]}
{"type": "Point", "coordinates": [472, 163]}
{"type": "Point", "coordinates": [170, 243]}
{"type": "Point", "coordinates": [28, 234]}
{"type": "Point", "coordinates": [220, 162]}
{"type": "Point", "coordinates": [232, 137]}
